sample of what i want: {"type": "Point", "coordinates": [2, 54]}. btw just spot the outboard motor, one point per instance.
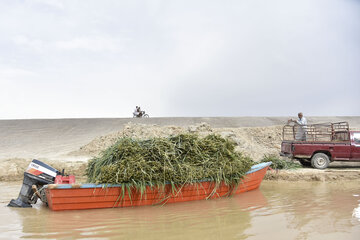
{"type": "Point", "coordinates": [38, 174]}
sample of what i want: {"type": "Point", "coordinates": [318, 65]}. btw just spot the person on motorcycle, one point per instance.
{"type": "Point", "coordinates": [137, 112]}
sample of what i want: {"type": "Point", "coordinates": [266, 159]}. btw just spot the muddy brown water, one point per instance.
{"type": "Point", "coordinates": [278, 210]}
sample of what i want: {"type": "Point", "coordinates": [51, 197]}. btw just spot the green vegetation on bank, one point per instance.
{"type": "Point", "coordinates": [180, 159]}
{"type": "Point", "coordinates": [279, 163]}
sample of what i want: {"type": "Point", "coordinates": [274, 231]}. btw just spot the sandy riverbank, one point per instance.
{"type": "Point", "coordinates": [70, 143]}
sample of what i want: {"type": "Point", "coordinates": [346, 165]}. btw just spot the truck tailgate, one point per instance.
{"type": "Point", "coordinates": [286, 148]}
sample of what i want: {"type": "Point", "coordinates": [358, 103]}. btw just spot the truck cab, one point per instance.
{"type": "Point", "coordinates": [323, 143]}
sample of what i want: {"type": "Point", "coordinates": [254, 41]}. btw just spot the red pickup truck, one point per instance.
{"type": "Point", "coordinates": [319, 144]}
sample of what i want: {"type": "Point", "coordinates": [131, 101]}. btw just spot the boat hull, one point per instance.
{"type": "Point", "coordinates": [91, 196]}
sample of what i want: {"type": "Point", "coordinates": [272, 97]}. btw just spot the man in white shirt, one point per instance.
{"type": "Point", "coordinates": [301, 128]}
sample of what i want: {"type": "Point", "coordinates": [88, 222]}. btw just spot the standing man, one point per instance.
{"type": "Point", "coordinates": [301, 123]}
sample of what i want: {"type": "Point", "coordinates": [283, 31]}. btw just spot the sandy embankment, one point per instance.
{"type": "Point", "coordinates": [70, 143]}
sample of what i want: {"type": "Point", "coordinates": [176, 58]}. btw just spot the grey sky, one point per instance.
{"type": "Point", "coordinates": [179, 58]}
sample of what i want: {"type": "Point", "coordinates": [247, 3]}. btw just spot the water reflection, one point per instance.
{"type": "Point", "coordinates": [278, 211]}
{"type": "Point", "coordinates": [356, 213]}
{"type": "Point", "coordinates": [309, 211]}
{"type": "Point", "coordinates": [205, 219]}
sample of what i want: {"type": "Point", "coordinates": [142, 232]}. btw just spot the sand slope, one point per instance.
{"type": "Point", "coordinates": [67, 143]}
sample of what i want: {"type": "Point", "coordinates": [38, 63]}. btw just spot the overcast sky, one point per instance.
{"type": "Point", "coordinates": [62, 59]}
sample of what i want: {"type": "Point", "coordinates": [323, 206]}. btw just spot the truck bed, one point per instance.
{"type": "Point", "coordinates": [339, 150]}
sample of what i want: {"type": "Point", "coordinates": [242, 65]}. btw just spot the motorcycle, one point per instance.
{"type": "Point", "coordinates": [141, 114]}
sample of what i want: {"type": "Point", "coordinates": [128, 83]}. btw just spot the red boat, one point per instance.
{"type": "Point", "coordinates": [91, 196]}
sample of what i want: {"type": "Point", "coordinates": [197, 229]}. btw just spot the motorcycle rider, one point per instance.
{"type": "Point", "coordinates": [137, 112]}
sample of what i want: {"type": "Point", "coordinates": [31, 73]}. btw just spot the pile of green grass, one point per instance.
{"type": "Point", "coordinates": [279, 163]}
{"type": "Point", "coordinates": [180, 159]}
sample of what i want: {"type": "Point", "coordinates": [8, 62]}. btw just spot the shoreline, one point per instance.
{"type": "Point", "coordinates": [332, 174]}
{"type": "Point", "coordinates": [314, 175]}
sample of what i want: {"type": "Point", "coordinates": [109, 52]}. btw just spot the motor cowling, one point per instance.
{"type": "Point", "coordinates": [38, 174]}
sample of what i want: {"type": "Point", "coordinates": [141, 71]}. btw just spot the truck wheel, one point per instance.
{"type": "Point", "coordinates": [320, 161]}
